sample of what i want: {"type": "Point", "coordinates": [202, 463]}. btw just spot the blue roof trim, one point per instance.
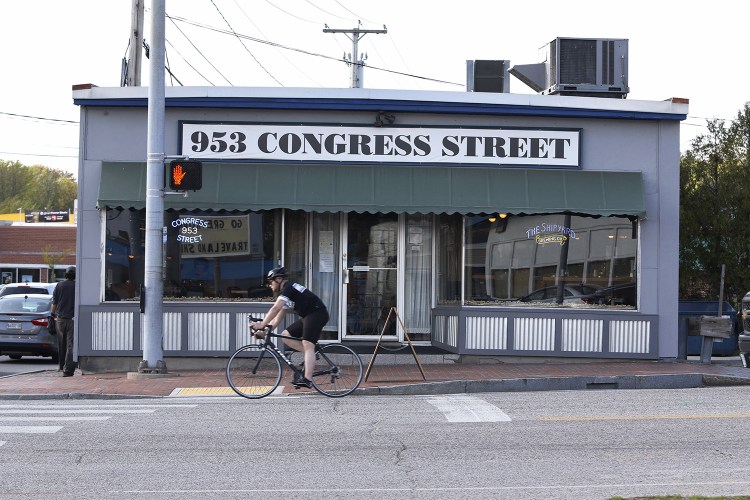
{"type": "Point", "coordinates": [384, 104]}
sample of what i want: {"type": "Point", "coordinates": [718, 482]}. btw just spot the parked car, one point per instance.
{"type": "Point", "coordinates": [622, 294]}
{"type": "Point", "coordinates": [26, 328]}
{"type": "Point", "coordinates": [572, 293]}
{"type": "Point", "coordinates": [28, 287]}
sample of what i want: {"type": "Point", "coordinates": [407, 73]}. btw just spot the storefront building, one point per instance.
{"type": "Point", "coordinates": [495, 224]}
{"type": "Point", "coordinates": [35, 252]}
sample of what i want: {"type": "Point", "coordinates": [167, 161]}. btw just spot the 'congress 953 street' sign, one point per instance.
{"type": "Point", "coordinates": [212, 236]}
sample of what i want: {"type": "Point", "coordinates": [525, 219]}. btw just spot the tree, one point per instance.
{"type": "Point", "coordinates": [715, 211]}
{"type": "Point", "coordinates": [35, 188]}
{"type": "Point", "coordinates": [54, 257]}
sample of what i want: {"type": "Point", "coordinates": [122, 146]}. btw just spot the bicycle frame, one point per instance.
{"type": "Point", "coordinates": [269, 344]}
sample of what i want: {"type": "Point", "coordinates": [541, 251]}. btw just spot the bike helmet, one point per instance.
{"type": "Point", "coordinates": [276, 272]}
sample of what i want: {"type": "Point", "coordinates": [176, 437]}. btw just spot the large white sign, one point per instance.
{"type": "Point", "coordinates": [326, 143]}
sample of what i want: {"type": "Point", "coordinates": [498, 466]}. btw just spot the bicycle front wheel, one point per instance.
{"type": "Point", "coordinates": [253, 372]}
{"type": "Point", "coordinates": [338, 370]}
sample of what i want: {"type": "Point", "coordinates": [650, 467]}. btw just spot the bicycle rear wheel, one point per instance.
{"type": "Point", "coordinates": [338, 370]}
{"type": "Point", "coordinates": [253, 371]}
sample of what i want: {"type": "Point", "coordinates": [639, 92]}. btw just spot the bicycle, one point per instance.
{"type": "Point", "coordinates": [254, 370]}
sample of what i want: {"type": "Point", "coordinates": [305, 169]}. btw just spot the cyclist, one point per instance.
{"type": "Point", "coordinates": [303, 334]}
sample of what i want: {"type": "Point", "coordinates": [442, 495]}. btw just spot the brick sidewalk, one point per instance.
{"type": "Point", "coordinates": [51, 383]}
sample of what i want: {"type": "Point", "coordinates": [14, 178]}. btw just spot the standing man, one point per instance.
{"type": "Point", "coordinates": [303, 334]}
{"type": "Point", "coordinates": [63, 310]}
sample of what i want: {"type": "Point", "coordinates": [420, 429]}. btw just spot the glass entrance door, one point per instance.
{"type": "Point", "coordinates": [370, 274]}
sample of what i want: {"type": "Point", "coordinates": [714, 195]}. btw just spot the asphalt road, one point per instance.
{"type": "Point", "coordinates": [25, 364]}
{"type": "Point", "coordinates": [551, 445]}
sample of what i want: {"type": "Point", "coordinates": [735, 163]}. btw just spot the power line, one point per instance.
{"type": "Point", "coordinates": [243, 44]}
{"type": "Point", "coordinates": [290, 14]}
{"type": "Point", "coordinates": [198, 50]}
{"type": "Point", "coordinates": [291, 63]}
{"type": "Point", "coordinates": [302, 51]}
{"type": "Point", "coordinates": [188, 63]}
{"type": "Point", "coordinates": [36, 154]}
{"type": "Point", "coordinates": [169, 69]}
{"type": "Point", "coordinates": [323, 10]}
{"type": "Point", "coordinates": [39, 118]}
{"type": "Point", "coordinates": [352, 13]}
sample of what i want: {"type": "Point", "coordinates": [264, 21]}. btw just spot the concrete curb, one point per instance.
{"type": "Point", "coordinates": [576, 383]}
{"type": "Point", "coordinates": [683, 381]}
{"type": "Point", "coordinates": [74, 395]}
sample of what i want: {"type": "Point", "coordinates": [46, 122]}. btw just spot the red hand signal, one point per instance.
{"type": "Point", "coordinates": [178, 174]}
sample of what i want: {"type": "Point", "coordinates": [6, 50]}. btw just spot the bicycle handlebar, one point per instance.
{"type": "Point", "coordinates": [256, 320]}
{"type": "Point", "coordinates": [267, 328]}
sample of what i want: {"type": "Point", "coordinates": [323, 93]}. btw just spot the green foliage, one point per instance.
{"type": "Point", "coordinates": [715, 211]}
{"type": "Point", "coordinates": [35, 188]}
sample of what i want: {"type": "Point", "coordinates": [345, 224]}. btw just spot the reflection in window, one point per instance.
{"type": "Point", "coordinates": [572, 260]}
{"type": "Point", "coordinates": [206, 255]}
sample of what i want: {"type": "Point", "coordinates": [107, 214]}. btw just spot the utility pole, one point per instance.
{"type": "Point", "coordinates": [135, 54]}
{"type": "Point", "coordinates": [153, 352]}
{"type": "Point", "coordinates": [357, 75]}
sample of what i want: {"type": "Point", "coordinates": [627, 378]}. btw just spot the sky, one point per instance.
{"type": "Point", "coordinates": [676, 49]}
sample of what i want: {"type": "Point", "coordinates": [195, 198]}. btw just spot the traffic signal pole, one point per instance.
{"type": "Point", "coordinates": [153, 353]}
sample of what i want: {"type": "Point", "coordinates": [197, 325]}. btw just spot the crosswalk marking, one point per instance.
{"type": "Point", "coordinates": [468, 409]}
{"type": "Point", "coordinates": [20, 414]}
{"type": "Point", "coordinates": [29, 429]}
{"type": "Point", "coordinates": [119, 405]}
{"type": "Point", "coordinates": [56, 418]}
{"type": "Point", "coordinates": [35, 410]}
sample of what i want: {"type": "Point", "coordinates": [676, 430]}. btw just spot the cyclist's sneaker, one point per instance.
{"type": "Point", "coordinates": [303, 382]}
{"type": "Point", "coordinates": [299, 380]}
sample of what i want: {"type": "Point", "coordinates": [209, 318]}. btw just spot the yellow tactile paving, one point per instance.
{"type": "Point", "coordinates": [216, 391]}
{"type": "Point", "coordinates": [203, 391]}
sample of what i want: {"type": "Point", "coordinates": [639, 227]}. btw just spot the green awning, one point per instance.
{"type": "Point", "coordinates": [385, 188]}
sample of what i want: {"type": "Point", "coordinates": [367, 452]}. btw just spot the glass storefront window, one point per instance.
{"type": "Point", "coordinates": [207, 255]}
{"type": "Point", "coordinates": [448, 234]}
{"type": "Point", "coordinates": [418, 277]}
{"type": "Point", "coordinates": [295, 246]}
{"type": "Point", "coordinates": [549, 261]}
{"type": "Point", "coordinates": [325, 281]}
{"type": "Point", "coordinates": [516, 261]}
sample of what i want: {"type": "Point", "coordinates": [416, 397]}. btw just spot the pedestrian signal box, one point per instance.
{"type": "Point", "coordinates": [185, 175]}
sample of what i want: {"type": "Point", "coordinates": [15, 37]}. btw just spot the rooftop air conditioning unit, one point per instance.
{"type": "Point", "coordinates": [590, 67]}
{"type": "Point", "coordinates": [487, 76]}
{"type": "Point", "coordinates": [595, 67]}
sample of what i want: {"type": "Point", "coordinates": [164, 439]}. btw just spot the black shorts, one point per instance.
{"type": "Point", "coordinates": [309, 327]}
